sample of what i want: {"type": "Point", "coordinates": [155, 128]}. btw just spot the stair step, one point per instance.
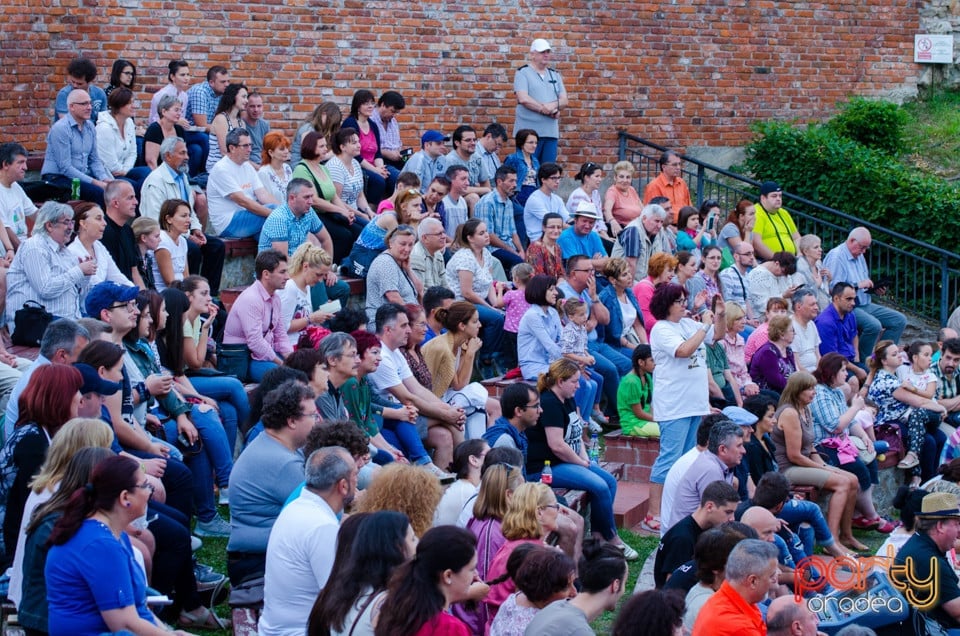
{"type": "Point", "coordinates": [631, 503]}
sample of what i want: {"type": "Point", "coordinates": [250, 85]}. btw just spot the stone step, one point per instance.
{"type": "Point", "coordinates": [631, 503]}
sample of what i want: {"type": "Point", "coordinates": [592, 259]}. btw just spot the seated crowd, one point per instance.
{"type": "Point", "coordinates": [759, 363]}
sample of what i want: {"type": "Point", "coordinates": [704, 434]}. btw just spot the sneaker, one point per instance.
{"type": "Point", "coordinates": [195, 543]}
{"type": "Point", "coordinates": [224, 497]}
{"type": "Point", "coordinates": [216, 527]}
{"type": "Point", "coordinates": [443, 476]}
{"type": "Point", "coordinates": [206, 576]}
{"type": "Point", "coordinates": [594, 426]}
{"type": "Point", "coordinates": [598, 417]}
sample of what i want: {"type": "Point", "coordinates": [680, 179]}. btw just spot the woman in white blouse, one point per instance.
{"type": "Point", "coordinates": [275, 173]}
{"type": "Point", "coordinates": [117, 138]}
{"type": "Point", "coordinates": [89, 223]}
{"type": "Point", "coordinates": [170, 256]}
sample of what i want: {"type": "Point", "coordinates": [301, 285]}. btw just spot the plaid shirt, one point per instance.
{"type": "Point", "coordinates": [201, 99]}
{"type": "Point", "coordinates": [389, 132]}
{"type": "Point", "coordinates": [946, 386]}
{"type": "Point", "coordinates": [497, 213]}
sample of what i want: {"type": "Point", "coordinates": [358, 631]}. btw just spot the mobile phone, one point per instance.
{"type": "Point", "coordinates": [711, 222]}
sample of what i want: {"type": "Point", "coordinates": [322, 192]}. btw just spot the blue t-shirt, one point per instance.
{"type": "Point", "coordinates": [91, 573]}
{"type": "Point", "coordinates": [573, 244]}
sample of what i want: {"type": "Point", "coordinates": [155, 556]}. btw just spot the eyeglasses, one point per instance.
{"type": "Point", "coordinates": [315, 415]}
{"type": "Point", "coordinates": [555, 177]}
{"type": "Point", "coordinates": [65, 222]}
{"type": "Point", "coordinates": [555, 506]}
{"type": "Point", "coordinates": [127, 73]}
{"type": "Point", "coordinates": [591, 270]}
{"type": "Point", "coordinates": [535, 405]}
{"type": "Point", "coordinates": [436, 234]}
{"type": "Point", "coordinates": [680, 301]}
{"type": "Point", "coordinates": [129, 306]}
{"type": "Point", "coordinates": [146, 486]}
{"type": "Point", "coordinates": [87, 103]}
{"type": "Point", "coordinates": [750, 253]}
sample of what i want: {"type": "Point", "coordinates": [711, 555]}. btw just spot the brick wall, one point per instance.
{"type": "Point", "coordinates": [675, 73]}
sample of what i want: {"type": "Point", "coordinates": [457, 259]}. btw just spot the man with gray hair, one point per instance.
{"type": "Point", "coordinates": [426, 258]}
{"type": "Point", "coordinates": [238, 202]}
{"type": "Point", "coordinates": [750, 574]}
{"type": "Point", "coordinates": [806, 340]}
{"type": "Point", "coordinates": [303, 541]}
{"type": "Point", "coordinates": [61, 344]}
{"type": "Point", "coordinates": [205, 254]}
{"type": "Point", "coordinates": [735, 281]}
{"type": "Point", "coordinates": [848, 264]}
{"type": "Point", "coordinates": [643, 237]}
{"type": "Point", "coordinates": [724, 451]}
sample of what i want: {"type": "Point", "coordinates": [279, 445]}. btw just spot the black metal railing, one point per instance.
{"type": "Point", "coordinates": [924, 279]}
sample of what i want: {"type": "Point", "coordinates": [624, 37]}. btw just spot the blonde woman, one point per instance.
{"type": "Point", "coordinates": [621, 203]}
{"type": "Point", "coordinates": [309, 266]}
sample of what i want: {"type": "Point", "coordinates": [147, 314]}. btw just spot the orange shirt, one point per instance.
{"type": "Point", "coordinates": [677, 192]}
{"type": "Point", "coordinates": [726, 613]}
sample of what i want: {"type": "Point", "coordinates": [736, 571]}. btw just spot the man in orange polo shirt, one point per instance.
{"type": "Point", "coordinates": [750, 574]}
{"type": "Point", "coordinates": [669, 183]}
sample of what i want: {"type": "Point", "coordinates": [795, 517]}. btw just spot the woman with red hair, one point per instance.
{"type": "Point", "coordinates": [50, 400]}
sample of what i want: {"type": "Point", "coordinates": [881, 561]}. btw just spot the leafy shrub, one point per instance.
{"type": "Point", "coordinates": [874, 123]}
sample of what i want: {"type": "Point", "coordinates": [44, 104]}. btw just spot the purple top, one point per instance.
{"type": "Point", "coordinates": [769, 369]}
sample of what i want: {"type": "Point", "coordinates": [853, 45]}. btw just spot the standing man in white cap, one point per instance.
{"type": "Point", "coordinates": [541, 97]}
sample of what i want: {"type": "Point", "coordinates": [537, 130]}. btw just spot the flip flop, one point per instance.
{"type": "Point", "coordinates": [651, 523]}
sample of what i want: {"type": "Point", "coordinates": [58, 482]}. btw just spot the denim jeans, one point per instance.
{"type": "Point", "coordinates": [612, 365]}
{"type": "Point", "coordinates": [676, 438]}
{"type": "Point", "coordinates": [507, 258]}
{"type": "Point", "coordinates": [207, 261]}
{"type": "Point", "coordinates": [807, 520]}
{"type": "Point", "coordinates": [259, 367]}
{"type": "Point", "coordinates": [232, 399]}
{"type": "Point", "coordinates": [198, 146]}
{"type": "Point", "coordinates": [245, 223]}
{"type": "Point", "coordinates": [873, 319]}
{"type": "Point", "coordinates": [588, 392]}
{"type": "Point", "coordinates": [88, 191]}
{"type": "Point", "coordinates": [546, 150]}
{"type": "Point", "coordinates": [215, 459]}
{"type": "Point", "coordinates": [404, 435]}
{"type": "Point", "coordinates": [376, 188]}
{"type": "Point", "coordinates": [492, 335]}
{"type": "Point", "coordinates": [600, 485]}
{"type": "Point", "coordinates": [177, 481]}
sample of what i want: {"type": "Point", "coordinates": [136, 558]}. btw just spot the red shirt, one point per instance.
{"type": "Point", "coordinates": [727, 613]}
{"type": "Point", "coordinates": [443, 624]}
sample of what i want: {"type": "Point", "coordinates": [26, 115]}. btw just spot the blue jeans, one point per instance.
{"type": "Point", "coordinates": [260, 367]}
{"type": "Point", "coordinates": [676, 438]}
{"type": "Point", "coordinates": [546, 150]}
{"type": "Point", "coordinates": [404, 435]}
{"type": "Point", "coordinates": [198, 146]}
{"type": "Point", "coordinates": [177, 481]}
{"type": "Point", "coordinates": [873, 319]}
{"type": "Point", "coordinates": [492, 321]}
{"type": "Point", "coordinates": [88, 191]}
{"type": "Point", "coordinates": [612, 365]}
{"type": "Point", "coordinates": [245, 223]}
{"type": "Point", "coordinates": [376, 188]}
{"type": "Point", "coordinates": [586, 395]}
{"type": "Point", "coordinates": [215, 459]}
{"type": "Point", "coordinates": [232, 399]}
{"type": "Point", "coordinates": [807, 520]}
{"type": "Point", "coordinates": [602, 488]}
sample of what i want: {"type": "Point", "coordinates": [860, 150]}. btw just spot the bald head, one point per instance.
{"type": "Point", "coordinates": [787, 617]}
{"type": "Point", "coordinates": [761, 520]}
{"type": "Point", "coordinates": [79, 105]}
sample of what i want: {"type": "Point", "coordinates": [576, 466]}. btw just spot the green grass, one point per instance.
{"type": "Point", "coordinates": [644, 545]}
{"type": "Point", "coordinates": [932, 134]}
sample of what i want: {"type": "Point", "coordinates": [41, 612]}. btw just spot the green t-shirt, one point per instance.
{"type": "Point", "coordinates": [633, 391]}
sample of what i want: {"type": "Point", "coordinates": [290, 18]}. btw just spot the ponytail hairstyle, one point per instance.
{"type": "Point", "coordinates": [415, 597]}
{"type": "Point", "coordinates": [573, 306]}
{"type": "Point", "coordinates": [514, 561]}
{"type": "Point", "coordinates": [875, 361]}
{"type": "Point", "coordinates": [560, 369]}
{"type": "Point", "coordinates": [109, 479]}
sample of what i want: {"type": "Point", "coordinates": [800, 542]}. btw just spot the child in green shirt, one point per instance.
{"type": "Point", "coordinates": [635, 395]}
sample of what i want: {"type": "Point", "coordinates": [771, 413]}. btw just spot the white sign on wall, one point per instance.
{"type": "Point", "coordinates": [933, 49]}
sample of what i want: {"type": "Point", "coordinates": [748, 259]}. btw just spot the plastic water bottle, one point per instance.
{"type": "Point", "coordinates": [546, 475]}
{"type": "Point", "coordinates": [593, 449]}
{"type": "Point", "coordinates": [75, 189]}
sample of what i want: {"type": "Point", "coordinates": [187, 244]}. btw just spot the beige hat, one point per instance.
{"type": "Point", "coordinates": [586, 208]}
{"type": "Point", "coordinates": [939, 505]}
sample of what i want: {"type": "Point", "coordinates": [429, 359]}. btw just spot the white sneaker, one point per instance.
{"type": "Point", "coordinates": [443, 476]}
{"type": "Point", "coordinates": [594, 426]}
{"type": "Point", "coordinates": [195, 543]}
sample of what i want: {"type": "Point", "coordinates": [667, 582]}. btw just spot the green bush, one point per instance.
{"type": "Point", "coordinates": [819, 164]}
{"type": "Point", "coordinates": [874, 123]}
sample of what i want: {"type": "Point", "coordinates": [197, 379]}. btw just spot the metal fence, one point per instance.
{"type": "Point", "coordinates": [924, 279]}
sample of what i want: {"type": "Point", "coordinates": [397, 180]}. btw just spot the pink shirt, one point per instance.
{"type": "Point", "coordinates": [516, 306]}
{"type": "Point", "coordinates": [368, 145]}
{"type": "Point", "coordinates": [644, 292]}
{"type": "Point", "coordinates": [626, 206]}
{"type": "Point", "coordinates": [756, 340]}
{"type": "Point", "coordinates": [256, 320]}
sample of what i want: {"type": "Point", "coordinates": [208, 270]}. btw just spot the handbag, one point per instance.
{"type": "Point", "coordinates": [234, 359]}
{"type": "Point", "coordinates": [29, 323]}
{"type": "Point", "coordinates": [890, 433]}
{"type": "Point", "coordinates": [865, 456]}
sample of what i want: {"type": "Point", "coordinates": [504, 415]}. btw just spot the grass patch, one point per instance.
{"type": "Point", "coordinates": [932, 133]}
{"type": "Point", "coordinates": [645, 545]}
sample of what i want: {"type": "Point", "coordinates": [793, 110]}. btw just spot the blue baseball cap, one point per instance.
{"type": "Point", "coordinates": [740, 416]}
{"type": "Point", "coordinates": [433, 135]}
{"type": "Point", "coordinates": [93, 383]}
{"type": "Point", "coordinates": [108, 293]}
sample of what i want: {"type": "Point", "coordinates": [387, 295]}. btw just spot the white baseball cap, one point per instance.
{"type": "Point", "coordinates": [539, 46]}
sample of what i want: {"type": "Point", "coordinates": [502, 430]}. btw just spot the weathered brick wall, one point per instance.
{"type": "Point", "coordinates": [676, 73]}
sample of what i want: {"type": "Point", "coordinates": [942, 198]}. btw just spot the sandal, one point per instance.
{"type": "Point", "coordinates": [909, 461]}
{"type": "Point", "coordinates": [202, 618]}
{"type": "Point", "coordinates": [651, 523]}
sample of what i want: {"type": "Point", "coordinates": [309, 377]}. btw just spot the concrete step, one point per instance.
{"type": "Point", "coordinates": [630, 506]}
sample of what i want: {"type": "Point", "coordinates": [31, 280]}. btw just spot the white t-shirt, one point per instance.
{"type": "Point", "coordinates": [454, 499]}
{"type": "Point", "coordinates": [178, 256]}
{"type": "Point", "coordinates": [15, 207]}
{"type": "Point", "coordinates": [806, 344]}
{"type": "Point", "coordinates": [682, 389]}
{"type": "Point", "coordinates": [671, 483]}
{"type": "Point", "coordinates": [227, 177]}
{"type": "Point", "coordinates": [456, 214]}
{"type": "Point", "coordinates": [295, 304]}
{"type": "Point", "coordinates": [393, 370]}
